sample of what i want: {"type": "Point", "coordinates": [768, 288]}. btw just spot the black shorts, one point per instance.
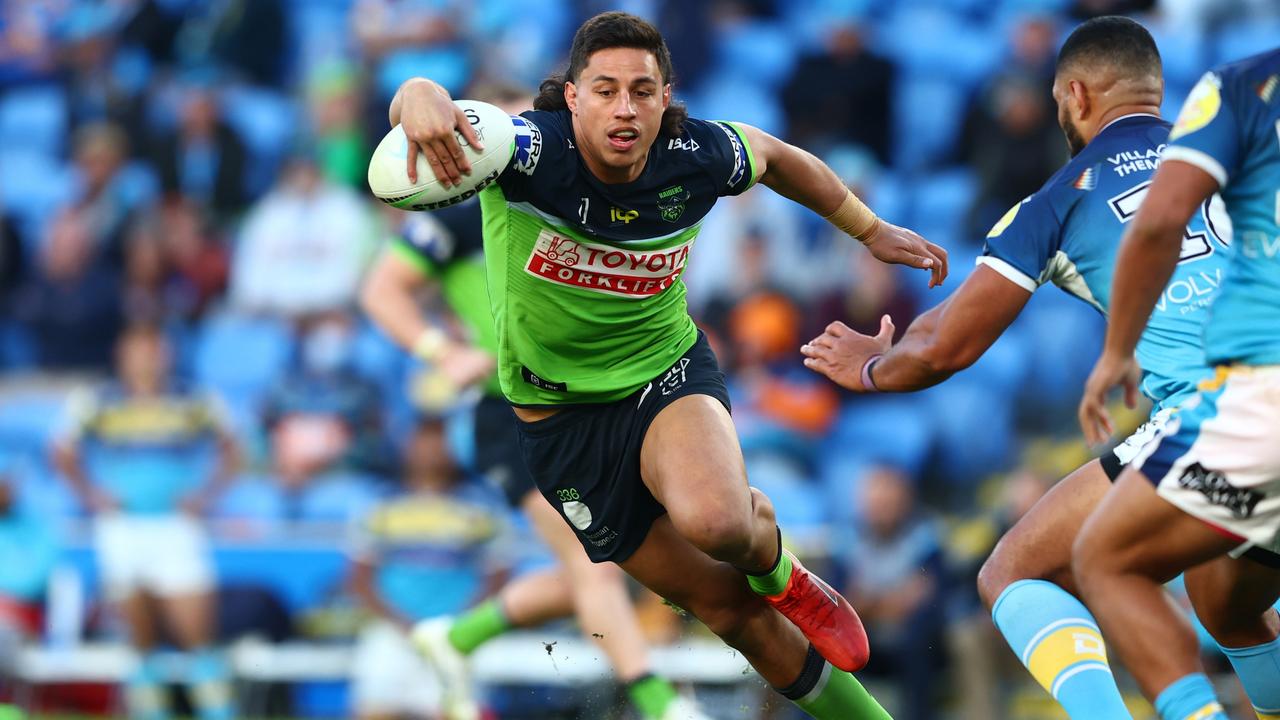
{"type": "Point", "coordinates": [586, 459]}
{"type": "Point", "coordinates": [1112, 466]}
{"type": "Point", "coordinates": [498, 455]}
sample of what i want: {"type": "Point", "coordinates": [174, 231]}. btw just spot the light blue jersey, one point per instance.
{"type": "Point", "coordinates": [1230, 128]}
{"type": "Point", "coordinates": [1069, 231]}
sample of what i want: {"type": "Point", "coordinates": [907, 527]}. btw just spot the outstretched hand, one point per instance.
{"type": "Point", "coordinates": [432, 123]}
{"type": "Point", "coordinates": [1109, 372]}
{"type": "Point", "coordinates": [840, 352]}
{"type": "Point", "coordinates": [892, 244]}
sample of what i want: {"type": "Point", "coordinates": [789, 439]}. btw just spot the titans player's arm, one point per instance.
{"type": "Point", "coordinates": [797, 175]}
{"type": "Point", "coordinates": [1146, 260]}
{"type": "Point", "coordinates": [943, 341]}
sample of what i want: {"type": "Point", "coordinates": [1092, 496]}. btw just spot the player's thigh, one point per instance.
{"type": "Point", "coordinates": [692, 463]}
{"type": "Point", "coordinates": [1134, 530]}
{"type": "Point", "coordinates": [1038, 547]}
{"type": "Point", "coordinates": [190, 617]}
{"type": "Point", "coordinates": [564, 543]}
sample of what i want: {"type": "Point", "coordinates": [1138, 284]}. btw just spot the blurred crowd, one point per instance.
{"type": "Point", "coordinates": [184, 226]}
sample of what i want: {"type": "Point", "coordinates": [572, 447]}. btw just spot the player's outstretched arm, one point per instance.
{"type": "Point", "coordinates": [941, 342]}
{"type": "Point", "coordinates": [430, 119]}
{"type": "Point", "coordinates": [390, 298]}
{"type": "Point", "coordinates": [799, 176]}
{"type": "Point", "coordinates": [1146, 260]}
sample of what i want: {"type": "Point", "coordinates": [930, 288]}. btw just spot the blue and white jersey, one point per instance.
{"type": "Point", "coordinates": [1069, 232]}
{"type": "Point", "coordinates": [1230, 128]}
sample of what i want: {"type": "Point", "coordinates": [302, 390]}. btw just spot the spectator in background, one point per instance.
{"type": "Point", "coordinates": [841, 94]}
{"type": "Point", "coordinates": [246, 36]}
{"type": "Point", "coordinates": [135, 451]}
{"type": "Point", "coordinates": [107, 201]}
{"type": "Point", "coordinates": [322, 416]}
{"type": "Point", "coordinates": [428, 551]}
{"type": "Point", "coordinates": [12, 261]}
{"type": "Point", "coordinates": [28, 551]}
{"type": "Point", "coordinates": [172, 269]}
{"type": "Point", "coordinates": [303, 247]}
{"type": "Point", "coordinates": [778, 407]}
{"type": "Point", "coordinates": [401, 39]}
{"type": "Point", "coordinates": [334, 110]}
{"type": "Point", "coordinates": [71, 307]}
{"type": "Point", "coordinates": [203, 159]}
{"type": "Point", "coordinates": [870, 291]}
{"type": "Point", "coordinates": [1011, 137]}
{"type": "Point", "coordinates": [896, 580]}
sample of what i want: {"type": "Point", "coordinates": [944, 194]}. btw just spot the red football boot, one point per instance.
{"type": "Point", "coordinates": [825, 618]}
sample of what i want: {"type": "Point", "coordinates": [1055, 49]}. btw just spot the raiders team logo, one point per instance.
{"type": "Point", "coordinates": [671, 203]}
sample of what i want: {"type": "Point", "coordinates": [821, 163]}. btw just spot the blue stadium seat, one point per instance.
{"type": "Point", "coordinates": [895, 430]}
{"type": "Point", "coordinates": [974, 430]}
{"type": "Point", "coordinates": [34, 118]}
{"type": "Point", "coordinates": [338, 498]}
{"type": "Point", "coordinates": [269, 124]}
{"type": "Point", "coordinates": [33, 203]}
{"type": "Point", "coordinates": [240, 357]}
{"type": "Point", "coordinates": [1063, 337]}
{"type": "Point", "coordinates": [762, 51]}
{"type": "Point", "coordinates": [928, 110]}
{"type": "Point", "coordinates": [799, 504]}
{"type": "Point", "coordinates": [1182, 54]}
{"type": "Point", "coordinates": [729, 95]}
{"type": "Point", "coordinates": [251, 498]}
{"type": "Point", "coordinates": [1242, 39]}
{"type": "Point", "coordinates": [961, 53]}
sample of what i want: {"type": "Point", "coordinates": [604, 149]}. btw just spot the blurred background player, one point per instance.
{"type": "Point", "coordinates": [137, 453]}
{"type": "Point", "coordinates": [623, 410]}
{"type": "Point", "coordinates": [1205, 486]}
{"type": "Point", "coordinates": [446, 249]}
{"type": "Point", "coordinates": [1108, 87]}
{"type": "Point", "coordinates": [431, 549]}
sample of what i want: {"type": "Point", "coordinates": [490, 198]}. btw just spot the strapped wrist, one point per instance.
{"type": "Point", "coordinates": [430, 344]}
{"type": "Point", "coordinates": [854, 218]}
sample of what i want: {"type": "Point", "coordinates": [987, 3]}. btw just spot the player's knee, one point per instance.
{"type": "Point", "coordinates": [723, 536]}
{"type": "Point", "coordinates": [1228, 623]}
{"type": "Point", "coordinates": [993, 577]}
{"type": "Point", "coordinates": [1088, 561]}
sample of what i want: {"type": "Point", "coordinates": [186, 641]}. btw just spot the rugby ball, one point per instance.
{"type": "Point", "coordinates": [389, 179]}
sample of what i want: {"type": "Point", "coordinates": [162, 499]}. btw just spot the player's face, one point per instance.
{"type": "Point", "coordinates": [1062, 96]}
{"type": "Point", "coordinates": [617, 104]}
{"type": "Point", "coordinates": [143, 360]}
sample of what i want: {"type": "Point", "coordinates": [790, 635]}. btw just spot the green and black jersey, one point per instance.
{"type": "Point", "coordinates": [585, 277]}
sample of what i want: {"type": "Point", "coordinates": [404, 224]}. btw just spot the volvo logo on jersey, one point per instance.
{"type": "Point", "coordinates": [606, 269]}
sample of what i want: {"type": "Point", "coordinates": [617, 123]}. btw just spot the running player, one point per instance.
{"type": "Point", "coordinates": [623, 414]}
{"type": "Point", "coordinates": [446, 249]}
{"type": "Point", "coordinates": [1207, 485]}
{"type": "Point", "coordinates": [1108, 88]}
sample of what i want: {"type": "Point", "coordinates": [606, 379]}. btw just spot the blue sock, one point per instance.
{"type": "Point", "coordinates": [1258, 668]}
{"type": "Point", "coordinates": [210, 685]}
{"type": "Point", "coordinates": [145, 693]}
{"type": "Point", "coordinates": [1056, 637]}
{"type": "Point", "coordinates": [1190, 698]}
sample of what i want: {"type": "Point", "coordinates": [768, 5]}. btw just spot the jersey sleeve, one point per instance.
{"type": "Point", "coordinates": [1207, 133]}
{"type": "Point", "coordinates": [1022, 243]}
{"type": "Point", "coordinates": [424, 243]}
{"type": "Point", "coordinates": [723, 151]}
{"type": "Point", "coordinates": [542, 154]}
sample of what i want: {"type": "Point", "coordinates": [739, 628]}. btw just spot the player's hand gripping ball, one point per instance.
{"type": "Point", "coordinates": [388, 168]}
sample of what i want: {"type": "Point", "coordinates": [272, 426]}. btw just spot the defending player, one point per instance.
{"type": "Point", "coordinates": [446, 249]}
{"type": "Point", "coordinates": [1207, 485]}
{"type": "Point", "coordinates": [1108, 88]}
{"type": "Point", "coordinates": [623, 414]}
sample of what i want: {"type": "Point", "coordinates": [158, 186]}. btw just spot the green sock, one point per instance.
{"type": "Point", "coordinates": [481, 624]}
{"type": "Point", "coordinates": [774, 581]}
{"type": "Point", "coordinates": [651, 695]}
{"type": "Point", "coordinates": [839, 696]}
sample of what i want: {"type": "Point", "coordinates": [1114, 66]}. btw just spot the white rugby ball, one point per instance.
{"type": "Point", "coordinates": [389, 177]}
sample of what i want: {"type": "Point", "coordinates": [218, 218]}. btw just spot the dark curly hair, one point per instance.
{"type": "Point", "coordinates": [614, 30]}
